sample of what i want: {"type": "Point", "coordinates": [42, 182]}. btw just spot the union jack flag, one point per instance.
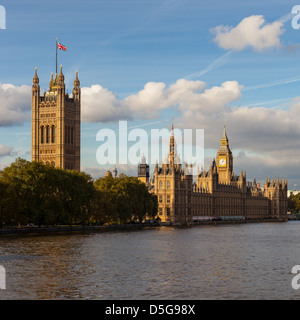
{"type": "Point", "coordinates": [61, 47]}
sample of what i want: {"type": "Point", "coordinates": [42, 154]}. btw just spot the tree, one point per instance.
{"type": "Point", "coordinates": [294, 203]}
{"type": "Point", "coordinates": [104, 208]}
{"type": "Point", "coordinates": [42, 194]}
{"type": "Point", "coordinates": [79, 193]}
{"type": "Point", "coordinates": [32, 192]}
{"type": "Point", "coordinates": [130, 197]}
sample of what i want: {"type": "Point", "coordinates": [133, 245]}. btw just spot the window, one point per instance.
{"type": "Point", "coordinates": [168, 198]}
{"type": "Point", "coordinates": [68, 135]}
{"type": "Point", "coordinates": [160, 199]}
{"type": "Point", "coordinates": [47, 134]}
{"type": "Point", "coordinates": [72, 132]}
{"type": "Point", "coordinates": [42, 134]}
{"type": "Point", "coordinates": [168, 185]}
{"type": "Point", "coordinates": [160, 185]}
{"type": "Point", "coordinates": [168, 211]}
{"type": "Point", "coordinates": [160, 211]}
{"type": "Point", "coordinates": [53, 134]}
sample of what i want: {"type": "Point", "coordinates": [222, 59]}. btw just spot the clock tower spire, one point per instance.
{"type": "Point", "coordinates": [224, 160]}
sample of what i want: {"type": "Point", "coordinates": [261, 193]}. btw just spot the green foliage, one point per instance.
{"type": "Point", "coordinates": [44, 195]}
{"type": "Point", "coordinates": [31, 192]}
{"type": "Point", "coordinates": [129, 197]}
{"type": "Point", "coordinates": [294, 203]}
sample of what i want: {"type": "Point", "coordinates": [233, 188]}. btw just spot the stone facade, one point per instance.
{"type": "Point", "coordinates": [216, 193]}
{"type": "Point", "coordinates": [55, 122]}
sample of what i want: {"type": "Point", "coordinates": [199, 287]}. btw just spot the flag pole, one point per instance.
{"type": "Point", "coordinates": [56, 56]}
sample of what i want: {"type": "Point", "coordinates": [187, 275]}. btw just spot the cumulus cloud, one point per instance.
{"type": "Point", "coordinates": [251, 32]}
{"type": "Point", "coordinates": [101, 105]}
{"type": "Point", "coordinates": [5, 151]}
{"type": "Point", "coordinates": [257, 129]}
{"type": "Point", "coordinates": [15, 103]}
{"type": "Point", "coordinates": [148, 102]}
{"type": "Point", "coordinates": [271, 166]}
{"type": "Point", "coordinates": [271, 133]}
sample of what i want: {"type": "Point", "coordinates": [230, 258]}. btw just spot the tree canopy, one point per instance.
{"type": "Point", "coordinates": [129, 198]}
{"type": "Point", "coordinates": [294, 203]}
{"type": "Point", "coordinates": [31, 192]}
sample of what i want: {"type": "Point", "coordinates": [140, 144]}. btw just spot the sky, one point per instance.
{"type": "Point", "coordinates": [198, 64]}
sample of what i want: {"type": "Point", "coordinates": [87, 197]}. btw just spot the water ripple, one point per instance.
{"type": "Point", "coordinates": [251, 261]}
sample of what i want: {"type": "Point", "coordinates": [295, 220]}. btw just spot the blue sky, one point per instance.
{"type": "Point", "coordinates": [121, 46]}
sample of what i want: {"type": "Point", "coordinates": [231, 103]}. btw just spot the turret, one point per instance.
{"type": "Point", "coordinates": [76, 88]}
{"type": "Point", "coordinates": [61, 80]}
{"type": "Point", "coordinates": [35, 84]}
{"type": "Point", "coordinates": [143, 171]}
{"type": "Point", "coordinates": [51, 83]}
{"type": "Point", "coordinates": [35, 89]}
{"type": "Point", "coordinates": [172, 147]}
{"type": "Point", "coordinates": [36, 79]}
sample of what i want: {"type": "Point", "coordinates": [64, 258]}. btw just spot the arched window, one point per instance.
{"type": "Point", "coordinates": [53, 134]}
{"type": "Point", "coordinates": [66, 134]}
{"type": "Point", "coordinates": [160, 185]}
{"type": "Point", "coordinates": [72, 132]}
{"type": "Point", "coordinates": [53, 164]}
{"type": "Point", "coordinates": [42, 134]}
{"type": "Point", "coordinates": [47, 134]}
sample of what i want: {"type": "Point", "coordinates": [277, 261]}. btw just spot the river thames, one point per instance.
{"type": "Point", "coordinates": [239, 261]}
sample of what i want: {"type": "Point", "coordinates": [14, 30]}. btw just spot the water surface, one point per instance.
{"type": "Point", "coordinates": [241, 261]}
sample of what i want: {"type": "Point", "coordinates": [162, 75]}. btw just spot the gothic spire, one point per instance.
{"type": "Point", "coordinates": [172, 146]}
{"type": "Point", "coordinates": [35, 78]}
{"type": "Point", "coordinates": [224, 137]}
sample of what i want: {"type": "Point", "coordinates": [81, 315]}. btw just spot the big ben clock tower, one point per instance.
{"type": "Point", "coordinates": [224, 160]}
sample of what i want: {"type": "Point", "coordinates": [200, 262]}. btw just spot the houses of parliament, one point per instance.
{"type": "Point", "coordinates": [216, 193]}
{"type": "Point", "coordinates": [55, 123]}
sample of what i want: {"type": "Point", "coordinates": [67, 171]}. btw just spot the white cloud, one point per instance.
{"type": "Point", "coordinates": [250, 32]}
{"type": "Point", "coordinates": [257, 129]}
{"type": "Point", "coordinates": [15, 103]}
{"type": "Point", "coordinates": [148, 103]}
{"type": "Point", "coordinates": [273, 133]}
{"type": "Point", "coordinates": [211, 100]}
{"type": "Point", "coordinates": [5, 151]}
{"type": "Point", "coordinates": [101, 105]}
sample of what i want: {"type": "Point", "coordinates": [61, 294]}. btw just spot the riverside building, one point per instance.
{"type": "Point", "coordinates": [216, 194]}
{"type": "Point", "coordinates": [55, 122]}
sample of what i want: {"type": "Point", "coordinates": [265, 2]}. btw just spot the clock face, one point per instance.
{"type": "Point", "coordinates": [222, 162]}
